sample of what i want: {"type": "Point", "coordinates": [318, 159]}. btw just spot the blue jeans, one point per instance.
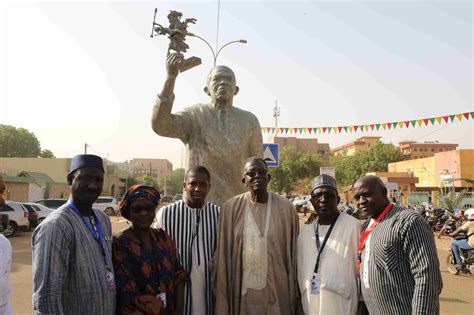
{"type": "Point", "coordinates": [455, 246]}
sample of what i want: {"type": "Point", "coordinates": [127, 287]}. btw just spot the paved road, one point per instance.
{"type": "Point", "coordinates": [456, 299]}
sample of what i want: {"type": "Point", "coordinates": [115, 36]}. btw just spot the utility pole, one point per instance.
{"type": "Point", "coordinates": [276, 113]}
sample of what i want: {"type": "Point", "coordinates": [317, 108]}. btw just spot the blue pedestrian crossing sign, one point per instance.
{"type": "Point", "coordinates": [271, 154]}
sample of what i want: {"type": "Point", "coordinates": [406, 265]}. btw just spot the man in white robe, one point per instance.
{"type": "Point", "coordinates": [332, 288]}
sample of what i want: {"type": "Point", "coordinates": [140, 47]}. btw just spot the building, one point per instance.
{"type": "Point", "coordinates": [50, 174]}
{"type": "Point", "coordinates": [303, 145]}
{"type": "Point", "coordinates": [443, 169]}
{"type": "Point", "coordinates": [416, 150]}
{"type": "Point", "coordinates": [360, 144]}
{"type": "Point", "coordinates": [399, 184]}
{"type": "Point", "coordinates": [156, 168]}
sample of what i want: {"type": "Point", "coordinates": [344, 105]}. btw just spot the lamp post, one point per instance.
{"type": "Point", "coordinates": [214, 54]}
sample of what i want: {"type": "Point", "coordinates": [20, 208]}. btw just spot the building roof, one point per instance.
{"type": "Point", "coordinates": [360, 140]}
{"type": "Point", "coordinates": [16, 179]}
{"type": "Point", "coordinates": [42, 179]}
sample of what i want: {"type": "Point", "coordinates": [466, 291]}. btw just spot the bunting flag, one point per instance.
{"type": "Point", "coordinates": [420, 122]}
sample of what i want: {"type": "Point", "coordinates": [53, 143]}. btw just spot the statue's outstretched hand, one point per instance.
{"type": "Point", "coordinates": [172, 63]}
{"type": "Point", "coordinates": [190, 20]}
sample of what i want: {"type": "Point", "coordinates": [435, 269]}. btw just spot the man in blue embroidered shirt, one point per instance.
{"type": "Point", "coordinates": [72, 249]}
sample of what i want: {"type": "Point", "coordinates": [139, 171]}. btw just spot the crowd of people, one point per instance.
{"type": "Point", "coordinates": [246, 257]}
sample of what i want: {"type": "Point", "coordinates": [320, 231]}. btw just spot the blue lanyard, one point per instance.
{"type": "Point", "coordinates": [94, 229]}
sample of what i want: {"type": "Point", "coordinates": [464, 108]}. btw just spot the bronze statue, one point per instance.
{"type": "Point", "coordinates": [177, 32]}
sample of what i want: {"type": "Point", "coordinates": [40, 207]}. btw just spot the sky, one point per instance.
{"type": "Point", "coordinates": [76, 72]}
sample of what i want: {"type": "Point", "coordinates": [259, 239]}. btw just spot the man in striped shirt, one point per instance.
{"type": "Point", "coordinates": [192, 224]}
{"type": "Point", "coordinates": [72, 249]}
{"type": "Point", "coordinates": [399, 267]}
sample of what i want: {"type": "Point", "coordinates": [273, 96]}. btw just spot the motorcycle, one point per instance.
{"type": "Point", "coordinates": [467, 259]}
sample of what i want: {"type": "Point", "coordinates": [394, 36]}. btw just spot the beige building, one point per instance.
{"type": "Point", "coordinates": [360, 144]}
{"type": "Point", "coordinates": [56, 170]}
{"type": "Point", "coordinates": [450, 168]}
{"type": "Point", "coordinates": [303, 145]}
{"type": "Point", "coordinates": [415, 150]}
{"type": "Point", "coordinates": [156, 168]}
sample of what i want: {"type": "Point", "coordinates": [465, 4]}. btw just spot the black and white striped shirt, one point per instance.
{"type": "Point", "coordinates": [180, 222]}
{"type": "Point", "coordinates": [403, 267]}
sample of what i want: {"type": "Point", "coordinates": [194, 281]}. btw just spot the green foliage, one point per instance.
{"type": "Point", "coordinates": [293, 167]}
{"type": "Point", "coordinates": [451, 200]}
{"type": "Point", "coordinates": [19, 142]}
{"type": "Point", "coordinates": [174, 182]}
{"type": "Point", "coordinates": [376, 159]}
{"type": "Point", "coordinates": [147, 180]}
{"type": "Point", "coordinates": [46, 154]}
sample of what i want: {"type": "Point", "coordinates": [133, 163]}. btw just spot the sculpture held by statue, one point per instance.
{"type": "Point", "coordinates": [177, 32]}
{"type": "Point", "coordinates": [217, 135]}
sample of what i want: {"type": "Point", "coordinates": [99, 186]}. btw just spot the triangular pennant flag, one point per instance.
{"type": "Point", "coordinates": [389, 125]}
{"type": "Point", "coordinates": [361, 127]}
{"type": "Point", "coordinates": [329, 129]}
{"type": "Point", "coordinates": [407, 123]}
{"type": "Point", "coordinates": [339, 129]}
{"type": "Point", "coordinates": [472, 114]}
{"type": "Point", "coordinates": [400, 124]}
{"type": "Point", "coordinates": [273, 130]}
{"type": "Point", "coordinates": [351, 128]}
{"type": "Point", "coordinates": [394, 125]}
{"type": "Point", "coordinates": [366, 127]}
{"type": "Point", "coordinates": [280, 130]}
{"type": "Point", "coordinates": [310, 130]}
{"type": "Point", "coordinates": [377, 126]}
{"type": "Point", "coordinates": [373, 126]}
{"type": "Point", "coordinates": [295, 130]}
{"type": "Point", "coordinates": [413, 123]}
{"type": "Point", "coordinates": [324, 129]}
{"type": "Point", "coordinates": [438, 119]}
{"type": "Point", "coordinates": [466, 115]}
{"type": "Point", "coordinates": [426, 120]}
{"type": "Point", "coordinates": [315, 130]}
{"type": "Point", "coordinates": [300, 130]}
{"type": "Point", "coordinates": [355, 128]}
{"type": "Point", "coordinates": [419, 122]}
{"type": "Point", "coordinates": [286, 130]}
{"type": "Point", "coordinates": [345, 128]}
{"type": "Point", "coordinates": [452, 117]}
{"type": "Point", "coordinates": [446, 118]}
{"type": "Point", "coordinates": [320, 130]}
{"type": "Point", "coordinates": [459, 117]}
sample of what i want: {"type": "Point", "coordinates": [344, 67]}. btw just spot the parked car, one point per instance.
{"type": "Point", "coordinates": [17, 217]}
{"type": "Point", "coordinates": [42, 210]}
{"type": "Point", "coordinates": [52, 203]}
{"type": "Point", "coordinates": [302, 202]}
{"type": "Point", "coordinates": [107, 204]}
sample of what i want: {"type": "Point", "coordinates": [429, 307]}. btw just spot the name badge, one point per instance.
{"type": "Point", "coordinates": [162, 297]}
{"type": "Point", "coordinates": [316, 284]}
{"type": "Point", "coordinates": [110, 281]}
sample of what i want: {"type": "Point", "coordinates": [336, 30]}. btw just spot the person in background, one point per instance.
{"type": "Point", "coordinates": [466, 243]}
{"type": "Point", "coordinates": [5, 264]}
{"type": "Point", "coordinates": [149, 278]}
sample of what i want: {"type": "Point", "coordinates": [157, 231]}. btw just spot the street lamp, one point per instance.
{"type": "Point", "coordinates": [214, 54]}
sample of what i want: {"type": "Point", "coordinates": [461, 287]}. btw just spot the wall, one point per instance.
{"type": "Point", "coordinates": [424, 169]}
{"type": "Point", "coordinates": [17, 191]}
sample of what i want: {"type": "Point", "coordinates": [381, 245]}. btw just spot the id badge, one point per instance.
{"type": "Point", "coordinates": [162, 297]}
{"type": "Point", "coordinates": [110, 281]}
{"type": "Point", "coordinates": [316, 284]}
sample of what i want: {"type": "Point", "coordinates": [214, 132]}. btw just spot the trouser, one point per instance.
{"type": "Point", "coordinates": [455, 246]}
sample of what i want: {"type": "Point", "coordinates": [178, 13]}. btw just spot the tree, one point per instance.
{"type": "Point", "coordinates": [376, 159]}
{"type": "Point", "coordinates": [294, 167]}
{"type": "Point", "coordinates": [19, 142]}
{"type": "Point", "coordinates": [174, 182]}
{"type": "Point", "coordinates": [46, 154]}
{"type": "Point", "coordinates": [451, 200]}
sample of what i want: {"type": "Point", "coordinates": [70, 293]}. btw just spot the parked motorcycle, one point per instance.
{"type": "Point", "coordinates": [467, 259]}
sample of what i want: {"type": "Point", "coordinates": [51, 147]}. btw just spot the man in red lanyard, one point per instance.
{"type": "Point", "coordinates": [72, 249]}
{"type": "Point", "coordinates": [398, 264]}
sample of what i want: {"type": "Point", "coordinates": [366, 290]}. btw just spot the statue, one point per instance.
{"type": "Point", "coordinates": [177, 32]}
{"type": "Point", "coordinates": [217, 135]}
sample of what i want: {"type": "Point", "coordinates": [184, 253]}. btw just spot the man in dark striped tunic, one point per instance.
{"type": "Point", "coordinates": [399, 267]}
{"type": "Point", "coordinates": [192, 224]}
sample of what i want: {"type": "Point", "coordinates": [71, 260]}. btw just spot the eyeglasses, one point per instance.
{"type": "Point", "coordinates": [327, 195]}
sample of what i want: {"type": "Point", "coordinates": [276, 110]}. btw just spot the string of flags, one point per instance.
{"type": "Point", "coordinates": [372, 127]}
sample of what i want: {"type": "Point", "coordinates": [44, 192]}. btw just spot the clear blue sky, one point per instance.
{"type": "Point", "coordinates": [77, 72]}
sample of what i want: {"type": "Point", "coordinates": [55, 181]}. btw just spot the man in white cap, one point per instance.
{"type": "Point", "coordinates": [327, 254]}
{"type": "Point", "coordinates": [72, 249]}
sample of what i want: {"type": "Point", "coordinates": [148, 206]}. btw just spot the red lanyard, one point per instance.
{"type": "Point", "coordinates": [369, 230]}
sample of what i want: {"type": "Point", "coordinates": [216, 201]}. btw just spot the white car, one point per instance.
{"type": "Point", "coordinates": [302, 202]}
{"type": "Point", "coordinates": [17, 217]}
{"type": "Point", "coordinates": [107, 204]}
{"type": "Point", "coordinates": [42, 210]}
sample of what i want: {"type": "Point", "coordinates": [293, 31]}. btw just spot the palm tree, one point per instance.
{"type": "Point", "coordinates": [451, 200]}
